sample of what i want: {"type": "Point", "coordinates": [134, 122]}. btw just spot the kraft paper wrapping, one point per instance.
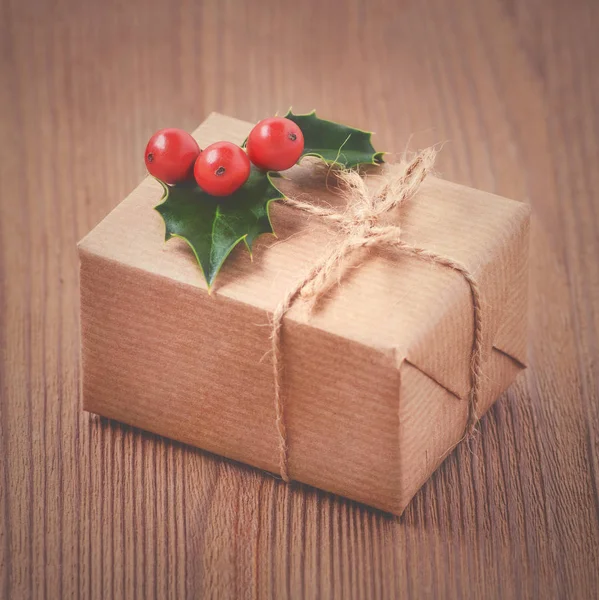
{"type": "Point", "coordinates": [376, 381]}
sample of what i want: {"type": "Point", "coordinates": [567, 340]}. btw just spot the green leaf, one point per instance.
{"type": "Point", "coordinates": [336, 143]}
{"type": "Point", "coordinates": [214, 226]}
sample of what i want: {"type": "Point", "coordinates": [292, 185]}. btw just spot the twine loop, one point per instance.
{"type": "Point", "coordinates": [361, 227]}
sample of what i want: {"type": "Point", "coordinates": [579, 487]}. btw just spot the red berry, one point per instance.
{"type": "Point", "coordinates": [222, 169]}
{"type": "Point", "coordinates": [171, 154]}
{"type": "Point", "coordinates": [275, 144]}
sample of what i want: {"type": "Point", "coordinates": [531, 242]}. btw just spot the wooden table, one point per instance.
{"type": "Point", "coordinates": [93, 509]}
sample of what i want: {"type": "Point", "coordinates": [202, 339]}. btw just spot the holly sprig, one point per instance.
{"type": "Point", "coordinates": [213, 226]}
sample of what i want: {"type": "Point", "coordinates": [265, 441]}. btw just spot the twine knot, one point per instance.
{"type": "Point", "coordinates": [361, 225]}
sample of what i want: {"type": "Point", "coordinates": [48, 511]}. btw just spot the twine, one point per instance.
{"type": "Point", "coordinates": [360, 224]}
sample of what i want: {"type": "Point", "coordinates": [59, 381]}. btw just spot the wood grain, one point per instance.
{"type": "Point", "coordinates": [93, 509]}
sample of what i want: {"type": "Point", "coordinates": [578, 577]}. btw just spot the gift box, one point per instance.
{"type": "Point", "coordinates": [377, 378]}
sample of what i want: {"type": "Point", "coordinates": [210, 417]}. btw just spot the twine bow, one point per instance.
{"type": "Point", "coordinates": [360, 224]}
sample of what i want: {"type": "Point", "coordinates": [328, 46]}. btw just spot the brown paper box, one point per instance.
{"type": "Point", "coordinates": [376, 381]}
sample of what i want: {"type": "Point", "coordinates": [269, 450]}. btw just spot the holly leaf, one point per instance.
{"type": "Point", "coordinates": [213, 226]}
{"type": "Point", "coordinates": [336, 143]}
